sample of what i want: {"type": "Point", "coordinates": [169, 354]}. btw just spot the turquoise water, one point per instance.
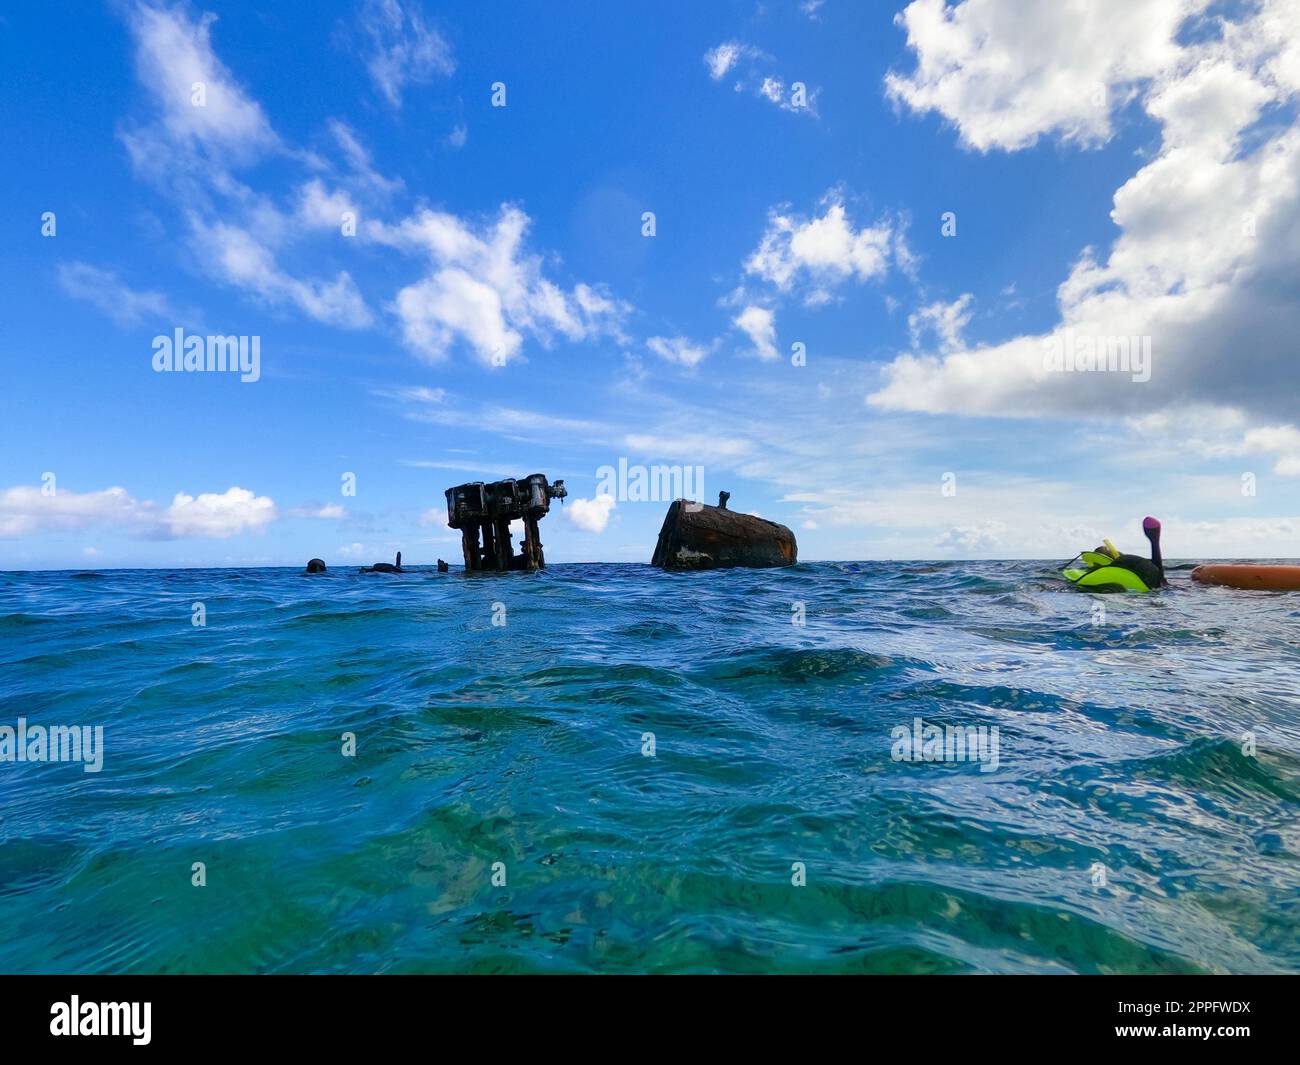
{"type": "Point", "coordinates": [522, 744]}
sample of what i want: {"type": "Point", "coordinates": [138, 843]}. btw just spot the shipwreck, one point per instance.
{"type": "Point", "coordinates": [697, 536]}
{"type": "Point", "coordinates": [483, 513]}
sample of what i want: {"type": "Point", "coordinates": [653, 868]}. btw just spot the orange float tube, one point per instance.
{"type": "Point", "coordinates": [1253, 578]}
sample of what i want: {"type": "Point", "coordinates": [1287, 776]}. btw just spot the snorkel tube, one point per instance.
{"type": "Point", "coordinates": [1151, 527]}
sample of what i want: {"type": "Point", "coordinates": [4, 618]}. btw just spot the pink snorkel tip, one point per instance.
{"type": "Point", "coordinates": [1150, 525]}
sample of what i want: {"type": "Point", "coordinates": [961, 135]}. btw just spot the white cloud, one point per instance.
{"type": "Point", "coordinates": [25, 510]}
{"type": "Point", "coordinates": [107, 292]}
{"type": "Point", "coordinates": [191, 154]}
{"type": "Point", "coordinates": [1006, 72]}
{"type": "Point", "coordinates": [486, 290]}
{"type": "Point", "coordinates": [1211, 432]}
{"type": "Point", "coordinates": [824, 250]}
{"type": "Point", "coordinates": [219, 516]}
{"type": "Point", "coordinates": [591, 515]}
{"type": "Point", "coordinates": [681, 350]}
{"type": "Point", "coordinates": [752, 69]}
{"type": "Point", "coordinates": [452, 303]}
{"type": "Point", "coordinates": [322, 208]}
{"type": "Point", "coordinates": [174, 56]}
{"type": "Point", "coordinates": [721, 59]}
{"type": "Point", "coordinates": [758, 323]}
{"type": "Point", "coordinates": [482, 288]}
{"type": "Point", "coordinates": [401, 48]}
{"type": "Point", "coordinates": [239, 258]}
{"type": "Point", "coordinates": [360, 164]}
{"type": "Point", "coordinates": [945, 320]}
{"type": "Point", "coordinates": [1205, 261]}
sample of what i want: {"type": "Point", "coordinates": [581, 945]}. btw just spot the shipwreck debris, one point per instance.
{"type": "Point", "coordinates": [698, 536]}
{"type": "Point", "coordinates": [483, 512]}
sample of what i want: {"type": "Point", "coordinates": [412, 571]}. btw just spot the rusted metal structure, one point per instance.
{"type": "Point", "coordinates": [483, 513]}
{"type": "Point", "coordinates": [697, 536]}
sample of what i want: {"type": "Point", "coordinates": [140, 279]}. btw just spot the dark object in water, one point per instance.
{"type": "Point", "coordinates": [385, 567]}
{"type": "Point", "coordinates": [486, 510]}
{"type": "Point", "coordinates": [698, 536]}
{"type": "Point", "coordinates": [443, 567]}
{"type": "Point", "coordinates": [316, 565]}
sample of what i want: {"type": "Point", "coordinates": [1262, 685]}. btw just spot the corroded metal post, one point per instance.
{"type": "Point", "coordinates": [483, 512]}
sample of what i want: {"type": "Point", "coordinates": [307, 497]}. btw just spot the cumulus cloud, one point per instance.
{"type": "Point", "coordinates": [483, 287]}
{"type": "Point", "coordinates": [216, 516]}
{"type": "Point", "coordinates": [681, 350]}
{"type": "Point", "coordinates": [591, 515]}
{"type": "Point", "coordinates": [759, 324]}
{"type": "Point", "coordinates": [821, 252]}
{"type": "Point", "coordinates": [111, 295]}
{"type": "Point", "coordinates": [401, 48]}
{"type": "Point", "coordinates": [1205, 261]}
{"type": "Point", "coordinates": [1005, 73]}
{"type": "Point", "coordinates": [487, 290]}
{"type": "Point", "coordinates": [26, 510]}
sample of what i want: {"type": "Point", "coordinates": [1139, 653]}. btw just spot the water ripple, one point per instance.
{"type": "Point", "coordinates": [669, 772]}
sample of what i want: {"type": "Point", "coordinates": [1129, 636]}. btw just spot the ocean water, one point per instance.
{"type": "Point", "coordinates": [772, 829]}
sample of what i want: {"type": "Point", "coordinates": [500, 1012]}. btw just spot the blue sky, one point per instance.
{"type": "Point", "coordinates": [1111, 170]}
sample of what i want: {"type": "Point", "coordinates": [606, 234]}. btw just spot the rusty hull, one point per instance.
{"type": "Point", "coordinates": [696, 536]}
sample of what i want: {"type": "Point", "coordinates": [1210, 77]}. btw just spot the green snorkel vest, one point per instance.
{"type": "Point", "coordinates": [1102, 572]}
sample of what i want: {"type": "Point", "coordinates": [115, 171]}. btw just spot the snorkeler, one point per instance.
{"type": "Point", "coordinates": [1108, 570]}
